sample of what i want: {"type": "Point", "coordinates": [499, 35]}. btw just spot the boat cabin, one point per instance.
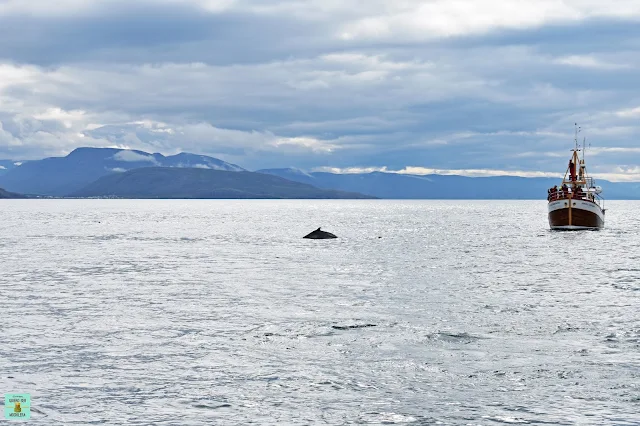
{"type": "Point", "coordinates": [576, 184]}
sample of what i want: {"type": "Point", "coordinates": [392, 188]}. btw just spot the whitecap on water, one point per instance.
{"type": "Point", "coordinates": [387, 418]}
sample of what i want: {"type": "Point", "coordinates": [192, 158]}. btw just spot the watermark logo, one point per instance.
{"type": "Point", "coordinates": [17, 406]}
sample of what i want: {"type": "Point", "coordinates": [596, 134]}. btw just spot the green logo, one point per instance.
{"type": "Point", "coordinates": [17, 406]}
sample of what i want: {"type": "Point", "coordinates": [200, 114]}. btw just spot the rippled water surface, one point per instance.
{"type": "Point", "coordinates": [218, 312]}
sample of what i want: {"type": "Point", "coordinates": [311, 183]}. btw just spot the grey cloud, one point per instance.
{"type": "Point", "coordinates": [150, 32]}
{"type": "Point", "coordinates": [579, 37]}
{"type": "Point", "coordinates": [278, 89]}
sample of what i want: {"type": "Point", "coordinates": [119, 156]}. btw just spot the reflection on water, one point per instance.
{"type": "Point", "coordinates": [218, 312]}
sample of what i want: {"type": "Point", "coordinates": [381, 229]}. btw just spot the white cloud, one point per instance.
{"type": "Point", "coordinates": [11, 75]}
{"type": "Point", "coordinates": [629, 113]}
{"type": "Point", "coordinates": [613, 150]}
{"type": "Point", "coordinates": [306, 143]}
{"type": "Point", "coordinates": [620, 174]}
{"type": "Point", "coordinates": [63, 8]}
{"type": "Point", "coordinates": [416, 170]}
{"type": "Point", "coordinates": [131, 156]}
{"type": "Point", "coordinates": [420, 20]}
{"type": "Point", "coordinates": [617, 174]}
{"type": "Point", "coordinates": [587, 61]}
{"type": "Point", "coordinates": [68, 118]}
{"type": "Point", "coordinates": [205, 139]}
{"type": "Point", "coordinates": [350, 170]}
{"type": "Point", "coordinates": [211, 6]}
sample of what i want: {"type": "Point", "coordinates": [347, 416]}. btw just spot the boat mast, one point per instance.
{"type": "Point", "coordinates": [575, 159]}
{"type": "Point", "coordinates": [583, 165]}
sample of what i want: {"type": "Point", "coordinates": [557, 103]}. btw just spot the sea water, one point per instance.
{"type": "Point", "coordinates": [206, 312]}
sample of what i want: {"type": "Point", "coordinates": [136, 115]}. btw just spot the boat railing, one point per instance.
{"type": "Point", "coordinates": [586, 196]}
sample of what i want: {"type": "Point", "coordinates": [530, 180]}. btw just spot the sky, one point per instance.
{"type": "Point", "coordinates": [475, 87]}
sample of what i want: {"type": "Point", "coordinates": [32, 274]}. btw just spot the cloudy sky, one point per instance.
{"type": "Point", "coordinates": [475, 86]}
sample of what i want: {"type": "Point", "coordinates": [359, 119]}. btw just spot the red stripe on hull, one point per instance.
{"type": "Point", "coordinates": [579, 217]}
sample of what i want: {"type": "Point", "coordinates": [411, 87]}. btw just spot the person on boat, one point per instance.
{"type": "Point", "coordinates": [565, 190]}
{"type": "Point", "coordinates": [572, 170]}
{"type": "Point", "coordinates": [554, 192]}
{"type": "Point", "coordinates": [578, 192]}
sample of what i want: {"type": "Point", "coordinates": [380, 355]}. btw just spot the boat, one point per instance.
{"type": "Point", "coordinates": [577, 204]}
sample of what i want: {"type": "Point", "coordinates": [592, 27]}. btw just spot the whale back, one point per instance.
{"type": "Point", "coordinates": [318, 234]}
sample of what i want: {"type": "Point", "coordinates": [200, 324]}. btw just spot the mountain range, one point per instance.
{"type": "Point", "coordinates": [62, 176]}
{"type": "Point", "coordinates": [6, 194]}
{"type": "Point", "coordinates": [112, 172]}
{"type": "Point", "coordinates": [169, 182]}
{"type": "Point", "coordinates": [445, 187]}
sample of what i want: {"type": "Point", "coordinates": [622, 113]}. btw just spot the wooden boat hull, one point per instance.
{"type": "Point", "coordinates": [571, 214]}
